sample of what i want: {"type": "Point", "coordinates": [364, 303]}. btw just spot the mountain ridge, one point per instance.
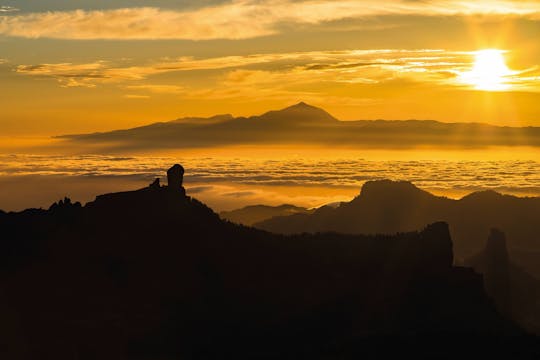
{"type": "Point", "coordinates": [390, 207]}
{"type": "Point", "coordinates": [305, 124]}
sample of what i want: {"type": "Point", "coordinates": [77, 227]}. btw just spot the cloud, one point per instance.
{"type": "Point", "coordinates": [232, 22]}
{"type": "Point", "coordinates": [239, 194]}
{"type": "Point", "coordinates": [271, 74]}
{"type": "Point", "coordinates": [89, 74]}
{"type": "Point", "coordinates": [85, 75]}
{"type": "Point", "coordinates": [239, 19]}
{"type": "Point", "coordinates": [66, 73]}
{"type": "Point", "coordinates": [7, 9]}
{"type": "Point", "coordinates": [200, 189]}
{"type": "Point", "coordinates": [233, 182]}
{"type": "Point", "coordinates": [158, 89]}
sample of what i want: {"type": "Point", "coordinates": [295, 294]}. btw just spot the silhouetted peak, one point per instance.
{"type": "Point", "coordinates": [64, 204]}
{"type": "Point", "coordinates": [175, 178]}
{"type": "Point", "coordinates": [497, 270]}
{"type": "Point", "coordinates": [325, 209]}
{"type": "Point", "coordinates": [389, 188]}
{"type": "Point", "coordinates": [497, 236]}
{"type": "Point", "coordinates": [155, 184]}
{"type": "Point", "coordinates": [302, 105]}
{"type": "Point", "coordinates": [484, 195]}
{"type": "Point", "coordinates": [436, 237]}
{"type": "Point", "coordinates": [300, 112]}
{"type": "Point", "coordinates": [306, 108]}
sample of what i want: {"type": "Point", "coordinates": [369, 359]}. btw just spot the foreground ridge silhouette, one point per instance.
{"type": "Point", "coordinates": [154, 273]}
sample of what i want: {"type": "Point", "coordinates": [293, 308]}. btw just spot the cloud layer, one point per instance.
{"type": "Point", "coordinates": [348, 64]}
{"type": "Point", "coordinates": [234, 182]}
{"type": "Point", "coordinates": [239, 19]}
{"type": "Point", "coordinates": [432, 66]}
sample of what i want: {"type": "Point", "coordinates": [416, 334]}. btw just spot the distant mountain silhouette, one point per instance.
{"type": "Point", "coordinates": [389, 207]}
{"type": "Point", "coordinates": [515, 292]}
{"type": "Point", "coordinates": [250, 215]}
{"type": "Point", "coordinates": [306, 124]}
{"type": "Point", "coordinates": [153, 273]}
{"type": "Point", "coordinates": [299, 114]}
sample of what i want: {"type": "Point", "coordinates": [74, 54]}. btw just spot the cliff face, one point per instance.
{"type": "Point", "coordinates": [497, 270]}
{"type": "Point", "coordinates": [382, 207]}
{"type": "Point", "coordinates": [514, 291]}
{"type": "Point", "coordinates": [153, 273]}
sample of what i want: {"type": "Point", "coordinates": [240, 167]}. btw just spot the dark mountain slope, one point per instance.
{"type": "Point", "coordinates": [390, 207]}
{"type": "Point", "coordinates": [515, 292]}
{"type": "Point", "coordinates": [250, 215]}
{"type": "Point", "coordinates": [155, 274]}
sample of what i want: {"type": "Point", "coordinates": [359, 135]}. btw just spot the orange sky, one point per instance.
{"type": "Point", "coordinates": [81, 66]}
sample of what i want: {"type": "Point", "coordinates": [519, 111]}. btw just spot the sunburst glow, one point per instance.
{"type": "Point", "coordinates": [489, 71]}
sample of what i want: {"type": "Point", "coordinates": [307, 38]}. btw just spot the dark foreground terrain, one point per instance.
{"type": "Point", "coordinates": [154, 274]}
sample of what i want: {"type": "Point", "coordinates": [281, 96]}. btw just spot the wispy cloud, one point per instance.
{"type": "Point", "coordinates": [157, 88]}
{"type": "Point", "coordinates": [84, 75]}
{"type": "Point", "coordinates": [239, 19]}
{"type": "Point", "coordinates": [352, 66]}
{"type": "Point", "coordinates": [89, 74]}
{"type": "Point", "coordinates": [275, 72]}
{"type": "Point", "coordinates": [135, 96]}
{"type": "Point", "coordinates": [7, 9]}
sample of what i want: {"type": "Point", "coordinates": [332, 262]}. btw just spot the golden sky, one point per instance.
{"type": "Point", "coordinates": [90, 65]}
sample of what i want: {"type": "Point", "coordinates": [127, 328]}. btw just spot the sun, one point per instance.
{"type": "Point", "coordinates": [489, 71]}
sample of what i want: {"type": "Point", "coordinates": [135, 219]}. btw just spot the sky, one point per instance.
{"type": "Point", "coordinates": [69, 66]}
{"type": "Point", "coordinates": [84, 66]}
